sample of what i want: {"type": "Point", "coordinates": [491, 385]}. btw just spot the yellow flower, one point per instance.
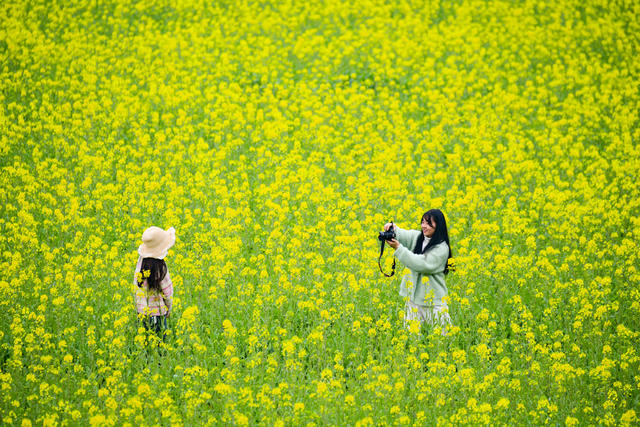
{"type": "Point", "coordinates": [414, 326]}
{"type": "Point", "coordinates": [98, 420]}
{"type": "Point", "coordinates": [503, 403]}
{"type": "Point", "coordinates": [629, 417]}
{"type": "Point", "coordinates": [241, 419]}
{"type": "Point", "coordinates": [223, 388]}
{"type": "Point", "coordinates": [321, 388]}
{"type": "Point", "coordinates": [229, 330]}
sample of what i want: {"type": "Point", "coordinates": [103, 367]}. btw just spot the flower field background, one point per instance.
{"type": "Point", "coordinates": [278, 138]}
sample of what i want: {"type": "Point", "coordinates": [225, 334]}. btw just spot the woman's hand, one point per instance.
{"type": "Point", "coordinates": [393, 243]}
{"type": "Point", "coordinates": [387, 225]}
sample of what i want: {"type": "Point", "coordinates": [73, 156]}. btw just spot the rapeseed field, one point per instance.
{"type": "Point", "coordinates": [278, 138]}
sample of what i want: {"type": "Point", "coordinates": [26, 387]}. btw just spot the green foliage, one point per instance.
{"type": "Point", "coordinates": [278, 138]}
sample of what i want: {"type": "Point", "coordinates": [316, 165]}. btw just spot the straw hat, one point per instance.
{"type": "Point", "coordinates": [156, 242]}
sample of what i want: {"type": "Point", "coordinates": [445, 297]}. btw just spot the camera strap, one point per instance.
{"type": "Point", "coordinates": [393, 267]}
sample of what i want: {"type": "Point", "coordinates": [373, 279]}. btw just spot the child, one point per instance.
{"type": "Point", "coordinates": [154, 289]}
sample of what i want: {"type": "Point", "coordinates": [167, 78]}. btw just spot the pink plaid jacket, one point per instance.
{"type": "Point", "coordinates": [151, 302]}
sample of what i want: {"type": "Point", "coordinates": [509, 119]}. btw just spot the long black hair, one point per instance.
{"type": "Point", "coordinates": [154, 270]}
{"type": "Point", "coordinates": [435, 217]}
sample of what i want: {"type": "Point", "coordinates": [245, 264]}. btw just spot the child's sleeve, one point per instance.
{"type": "Point", "coordinates": [135, 273]}
{"type": "Point", "coordinates": [138, 293]}
{"type": "Point", "coordinates": [167, 291]}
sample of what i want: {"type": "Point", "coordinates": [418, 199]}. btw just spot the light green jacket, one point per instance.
{"type": "Point", "coordinates": [425, 285]}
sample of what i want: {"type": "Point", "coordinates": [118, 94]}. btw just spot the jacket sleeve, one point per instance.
{"type": "Point", "coordinates": [405, 237]}
{"type": "Point", "coordinates": [431, 262]}
{"type": "Point", "coordinates": [167, 291]}
{"type": "Point", "coordinates": [139, 294]}
{"type": "Point", "coordinates": [135, 273]}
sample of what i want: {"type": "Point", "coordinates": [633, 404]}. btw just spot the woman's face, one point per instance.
{"type": "Point", "coordinates": [428, 227]}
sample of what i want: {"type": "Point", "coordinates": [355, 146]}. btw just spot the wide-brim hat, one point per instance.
{"type": "Point", "coordinates": [156, 242]}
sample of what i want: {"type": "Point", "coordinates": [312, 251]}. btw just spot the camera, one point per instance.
{"type": "Point", "coordinates": [387, 235]}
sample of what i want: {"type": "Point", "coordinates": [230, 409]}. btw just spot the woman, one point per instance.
{"type": "Point", "coordinates": [428, 259]}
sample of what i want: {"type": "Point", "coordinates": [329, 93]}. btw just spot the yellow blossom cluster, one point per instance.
{"type": "Point", "coordinates": [278, 137]}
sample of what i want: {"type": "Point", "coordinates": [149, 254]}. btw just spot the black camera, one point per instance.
{"type": "Point", "coordinates": [387, 235]}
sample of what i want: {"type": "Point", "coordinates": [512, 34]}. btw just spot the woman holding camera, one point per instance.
{"type": "Point", "coordinates": [426, 253]}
